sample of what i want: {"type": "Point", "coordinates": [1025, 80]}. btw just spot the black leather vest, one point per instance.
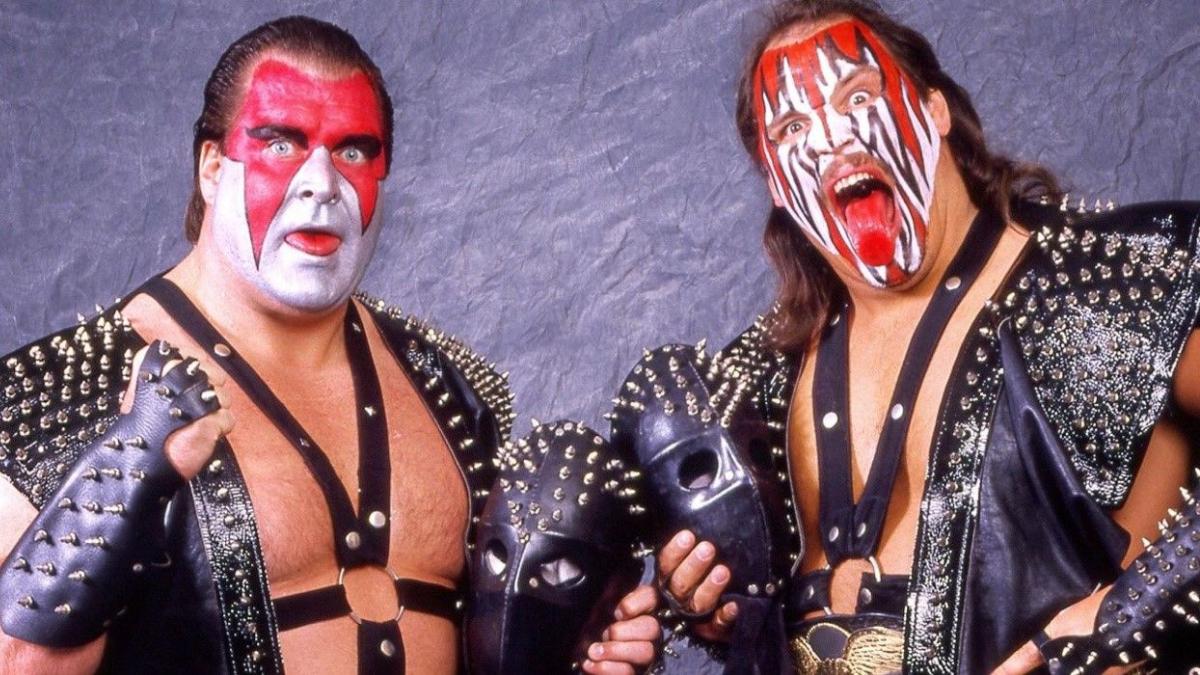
{"type": "Point", "coordinates": [1042, 427]}
{"type": "Point", "coordinates": [211, 611]}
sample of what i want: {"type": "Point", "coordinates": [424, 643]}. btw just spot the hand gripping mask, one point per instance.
{"type": "Point", "coordinates": [706, 454]}
{"type": "Point", "coordinates": [712, 464]}
{"type": "Point", "coordinates": [553, 552]}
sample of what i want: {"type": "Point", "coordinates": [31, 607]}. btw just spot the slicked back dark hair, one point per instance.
{"type": "Point", "coordinates": [307, 39]}
{"type": "Point", "coordinates": [808, 286]}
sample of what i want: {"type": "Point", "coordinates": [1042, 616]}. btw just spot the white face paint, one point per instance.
{"type": "Point", "coordinates": [850, 149]}
{"type": "Point", "coordinates": [301, 265]}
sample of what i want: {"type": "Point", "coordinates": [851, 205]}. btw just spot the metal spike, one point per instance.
{"type": "Point", "coordinates": [63, 609]}
{"type": "Point", "coordinates": [78, 575]}
{"type": "Point", "coordinates": [27, 602]}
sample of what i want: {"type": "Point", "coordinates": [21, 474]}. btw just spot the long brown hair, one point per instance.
{"type": "Point", "coordinates": [314, 40]}
{"type": "Point", "coordinates": [808, 287]}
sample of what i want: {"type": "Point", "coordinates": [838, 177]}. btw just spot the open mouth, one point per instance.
{"type": "Point", "coordinates": [865, 203]}
{"type": "Point", "coordinates": [314, 242]}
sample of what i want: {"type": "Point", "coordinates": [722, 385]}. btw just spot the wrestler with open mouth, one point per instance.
{"type": "Point", "coordinates": [850, 149]}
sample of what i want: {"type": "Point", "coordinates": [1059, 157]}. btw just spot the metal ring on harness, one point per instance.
{"type": "Point", "coordinates": [395, 578]}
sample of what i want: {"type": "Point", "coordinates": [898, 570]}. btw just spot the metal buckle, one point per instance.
{"type": "Point", "coordinates": [395, 578]}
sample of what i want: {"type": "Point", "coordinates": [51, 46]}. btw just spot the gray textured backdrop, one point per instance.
{"type": "Point", "coordinates": [568, 186]}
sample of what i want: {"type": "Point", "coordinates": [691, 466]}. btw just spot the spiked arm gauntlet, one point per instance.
{"type": "Point", "coordinates": [76, 566]}
{"type": "Point", "coordinates": [1149, 604]}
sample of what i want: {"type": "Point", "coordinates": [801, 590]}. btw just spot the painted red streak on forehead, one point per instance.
{"type": "Point", "coordinates": [326, 111]}
{"type": "Point", "coordinates": [845, 39]}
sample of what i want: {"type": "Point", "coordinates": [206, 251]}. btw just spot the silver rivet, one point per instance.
{"type": "Point", "coordinates": [222, 349]}
{"type": "Point", "coordinates": [752, 589]}
{"type": "Point", "coordinates": [834, 533]}
{"type": "Point", "coordinates": [370, 410]}
{"type": "Point", "coordinates": [387, 648]}
{"type": "Point", "coordinates": [862, 529]}
{"type": "Point", "coordinates": [809, 592]}
{"type": "Point", "coordinates": [533, 582]}
{"type": "Point", "coordinates": [836, 319]}
{"type": "Point", "coordinates": [377, 519]}
{"type": "Point", "coordinates": [864, 596]}
{"type": "Point", "coordinates": [353, 540]}
{"type": "Point", "coordinates": [897, 411]}
{"type": "Point", "coordinates": [953, 283]}
{"type": "Point", "coordinates": [830, 420]}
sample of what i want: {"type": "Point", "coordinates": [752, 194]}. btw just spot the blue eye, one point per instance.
{"type": "Point", "coordinates": [280, 146]}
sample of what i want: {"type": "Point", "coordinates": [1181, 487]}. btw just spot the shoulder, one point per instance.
{"type": "Point", "coordinates": [433, 353]}
{"type": "Point", "coordinates": [1102, 307]}
{"type": "Point", "coordinates": [57, 393]}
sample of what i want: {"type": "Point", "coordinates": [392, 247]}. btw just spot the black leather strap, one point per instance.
{"type": "Point", "coordinates": [330, 602]}
{"type": "Point", "coordinates": [850, 530]}
{"type": "Point", "coordinates": [359, 539]}
{"type": "Point", "coordinates": [356, 540]}
{"type": "Point", "coordinates": [79, 562]}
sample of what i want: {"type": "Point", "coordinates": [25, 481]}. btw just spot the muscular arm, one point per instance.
{"type": "Point", "coordinates": [19, 656]}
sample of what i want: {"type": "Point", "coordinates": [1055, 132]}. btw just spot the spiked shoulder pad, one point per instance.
{"type": "Point", "coordinates": [751, 356]}
{"type": "Point", "coordinates": [489, 385]}
{"type": "Point", "coordinates": [57, 394]}
{"type": "Point", "coordinates": [1102, 308]}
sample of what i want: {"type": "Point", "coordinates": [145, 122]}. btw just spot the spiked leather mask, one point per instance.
{"type": "Point", "coordinates": [552, 554]}
{"type": "Point", "coordinates": [706, 454]}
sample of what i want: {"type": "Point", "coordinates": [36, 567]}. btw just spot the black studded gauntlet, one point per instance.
{"type": "Point", "coordinates": [1148, 606]}
{"type": "Point", "coordinates": [77, 565]}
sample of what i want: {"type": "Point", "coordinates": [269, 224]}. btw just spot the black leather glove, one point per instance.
{"type": "Point", "coordinates": [77, 565]}
{"type": "Point", "coordinates": [1149, 604]}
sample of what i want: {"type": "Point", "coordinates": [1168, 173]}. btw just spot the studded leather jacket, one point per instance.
{"type": "Point", "coordinates": [1042, 428]}
{"type": "Point", "coordinates": [210, 611]}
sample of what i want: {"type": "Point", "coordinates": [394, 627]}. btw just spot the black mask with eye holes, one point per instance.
{"type": "Point", "coordinates": [553, 552]}
{"type": "Point", "coordinates": [711, 464]}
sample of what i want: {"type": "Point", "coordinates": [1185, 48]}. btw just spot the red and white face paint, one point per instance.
{"type": "Point", "coordinates": [296, 206]}
{"type": "Point", "coordinates": [850, 148]}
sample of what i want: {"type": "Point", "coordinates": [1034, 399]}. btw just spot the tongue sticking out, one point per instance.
{"type": "Point", "coordinates": [871, 224]}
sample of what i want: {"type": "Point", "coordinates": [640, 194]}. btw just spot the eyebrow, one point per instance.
{"type": "Point", "coordinates": [271, 131]}
{"type": "Point", "coordinates": [369, 144]}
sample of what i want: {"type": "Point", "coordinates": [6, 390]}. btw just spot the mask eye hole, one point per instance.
{"type": "Point", "coordinates": [495, 557]}
{"type": "Point", "coordinates": [698, 470]}
{"type": "Point", "coordinates": [560, 572]}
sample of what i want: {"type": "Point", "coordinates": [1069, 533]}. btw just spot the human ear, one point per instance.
{"type": "Point", "coordinates": [208, 170]}
{"type": "Point", "coordinates": [940, 111]}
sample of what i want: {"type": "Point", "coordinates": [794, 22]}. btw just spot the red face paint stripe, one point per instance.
{"type": "Point", "coordinates": [325, 111]}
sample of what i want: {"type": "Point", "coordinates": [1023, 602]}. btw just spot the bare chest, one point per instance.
{"type": "Point", "coordinates": [428, 502]}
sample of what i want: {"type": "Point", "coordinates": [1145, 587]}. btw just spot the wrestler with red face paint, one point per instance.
{"type": "Point", "coordinates": [336, 452]}
{"type": "Point", "coordinates": [946, 370]}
